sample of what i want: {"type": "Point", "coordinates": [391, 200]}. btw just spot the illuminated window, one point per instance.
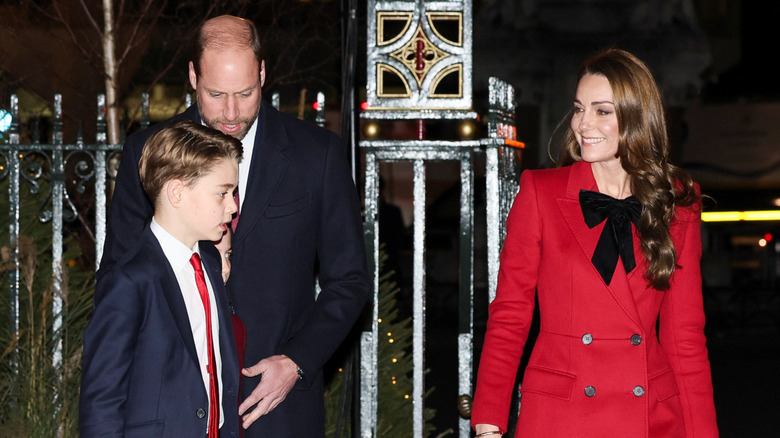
{"type": "Point", "coordinates": [5, 120]}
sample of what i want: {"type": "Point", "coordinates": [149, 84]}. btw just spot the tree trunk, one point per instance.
{"type": "Point", "coordinates": [109, 63]}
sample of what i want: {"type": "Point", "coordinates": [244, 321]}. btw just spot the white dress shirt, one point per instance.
{"type": "Point", "coordinates": [248, 143]}
{"type": "Point", "coordinates": [178, 255]}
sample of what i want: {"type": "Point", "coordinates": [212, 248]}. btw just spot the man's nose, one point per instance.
{"type": "Point", "coordinates": [231, 111]}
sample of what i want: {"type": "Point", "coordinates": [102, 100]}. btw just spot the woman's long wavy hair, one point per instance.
{"type": "Point", "coordinates": [643, 149]}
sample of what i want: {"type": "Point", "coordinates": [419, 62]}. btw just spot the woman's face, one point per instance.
{"type": "Point", "coordinates": [594, 121]}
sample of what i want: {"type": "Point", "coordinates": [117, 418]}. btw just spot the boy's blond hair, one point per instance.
{"type": "Point", "coordinates": [183, 150]}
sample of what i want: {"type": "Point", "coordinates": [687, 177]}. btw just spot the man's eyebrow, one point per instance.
{"type": "Point", "coordinates": [212, 90]}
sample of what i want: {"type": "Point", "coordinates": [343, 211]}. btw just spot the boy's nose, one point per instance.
{"type": "Point", "coordinates": [231, 206]}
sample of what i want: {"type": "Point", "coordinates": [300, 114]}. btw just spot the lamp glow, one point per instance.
{"type": "Point", "coordinates": [736, 216]}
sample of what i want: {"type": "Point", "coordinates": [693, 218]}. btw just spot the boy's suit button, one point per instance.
{"type": "Point", "coordinates": [587, 338]}
{"type": "Point", "coordinates": [636, 340]}
{"type": "Point", "coordinates": [200, 413]}
{"type": "Point", "coordinates": [639, 391]}
{"type": "Point", "coordinates": [590, 391]}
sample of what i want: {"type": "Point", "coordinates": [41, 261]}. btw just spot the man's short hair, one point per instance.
{"type": "Point", "coordinates": [235, 33]}
{"type": "Point", "coordinates": [183, 150]}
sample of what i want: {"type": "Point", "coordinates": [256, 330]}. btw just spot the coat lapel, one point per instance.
{"type": "Point", "coordinates": [581, 177]}
{"type": "Point", "coordinates": [269, 164]}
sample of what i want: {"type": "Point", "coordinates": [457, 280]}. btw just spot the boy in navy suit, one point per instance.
{"type": "Point", "coordinates": [159, 353]}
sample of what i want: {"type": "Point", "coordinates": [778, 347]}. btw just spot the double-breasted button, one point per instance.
{"type": "Point", "coordinates": [636, 340]}
{"type": "Point", "coordinates": [639, 391]}
{"type": "Point", "coordinates": [587, 338]}
{"type": "Point", "coordinates": [200, 413]}
{"type": "Point", "coordinates": [590, 391]}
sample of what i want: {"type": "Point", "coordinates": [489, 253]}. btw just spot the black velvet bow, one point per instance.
{"type": "Point", "coordinates": [616, 237]}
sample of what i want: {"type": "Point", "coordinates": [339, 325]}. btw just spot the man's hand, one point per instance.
{"type": "Point", "coordinates": [279, 376]}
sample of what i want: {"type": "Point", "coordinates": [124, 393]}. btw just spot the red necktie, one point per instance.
{"type": "Point", "coordinates": [234, 223]}
{"type": "Point", "coordinates": [200, 280]}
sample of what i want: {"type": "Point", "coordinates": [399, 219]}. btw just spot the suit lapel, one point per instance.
{"type": "Point", "coordinates": [269, 164]}
{"type": "Point", "coordinates": [172, 294]}
{"type": "Point", "coordinates": [228, 354]}
{"type": "Point", "coordinates": [581, 177]}
{"type": "Point", "coordinates": [212, 265]}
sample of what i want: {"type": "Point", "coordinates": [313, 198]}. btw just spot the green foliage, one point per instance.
{"type": "Point", "coordinates": [394, 371]}
{"type": "Point", "coordinates": [38, 389]}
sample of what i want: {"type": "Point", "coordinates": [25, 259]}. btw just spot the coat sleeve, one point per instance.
{"type": "Point", "coordinates": [130, 209]}
{"type": "Point", "coordinates": [343, 274]}
{"type": "Point", "coordinates": [681, 330]}
{"type": "Point", "coordinates": [109, 346]}
{"type": "Point", "coordinates": [511, 312]}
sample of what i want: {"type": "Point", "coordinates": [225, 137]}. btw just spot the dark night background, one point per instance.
{"type": "Point", "coordinates": [722, 54]}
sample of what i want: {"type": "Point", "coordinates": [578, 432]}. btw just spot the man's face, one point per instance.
{"type": "Point", "coordinates": [229, 89]}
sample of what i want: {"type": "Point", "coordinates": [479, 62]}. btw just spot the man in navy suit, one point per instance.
{"type": "Point", "coordinates": [159, 352]}
{"type": "Point", "coordinates": [299, 218]}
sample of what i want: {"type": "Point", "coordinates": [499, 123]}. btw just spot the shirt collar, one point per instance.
{"type": "Point", "coordinates": [177, 253]}
{"type": "Point", "coordinates": [249, 139]}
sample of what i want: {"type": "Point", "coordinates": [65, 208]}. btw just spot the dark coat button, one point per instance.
{"type": "Point", "coordinates": [636, 340]}
{"type": "Point", "coordinates": [587, 338]}
{"type": "Point", "coordinates": [590, 391]}
{"type": "Point", "coordinates": [639, 391]}
{"type": "Point", "coordinates": [200, 413]}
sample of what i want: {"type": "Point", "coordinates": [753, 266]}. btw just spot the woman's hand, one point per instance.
{"type": "Point", "coordinates": [486, 428]}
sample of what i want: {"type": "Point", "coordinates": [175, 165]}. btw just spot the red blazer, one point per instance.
{"type": "Point", "coordinates": [598, 368]}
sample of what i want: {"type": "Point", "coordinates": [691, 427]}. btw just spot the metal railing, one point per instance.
{"type": "Point", "coordinates": [58, 172]}
{"type": "Point", "coordinates": [62, 170]}
{"type": "Point", "coordinates": [501, 170]}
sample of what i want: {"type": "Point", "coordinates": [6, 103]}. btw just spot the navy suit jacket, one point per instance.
{"type": "Point", "coordinates": [300, 219]}
{"type": "Point", "coordinates": [140, 371]}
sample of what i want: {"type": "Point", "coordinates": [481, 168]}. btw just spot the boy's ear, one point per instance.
{"type": "Point", "coordinates": [173, 191]}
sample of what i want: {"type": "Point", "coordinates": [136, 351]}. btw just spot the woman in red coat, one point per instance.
{"type": "Point", "coordinates": [611, 243]}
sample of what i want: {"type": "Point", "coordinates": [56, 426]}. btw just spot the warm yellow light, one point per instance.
{"type": "Point", "coordinates": [762, 242]}
{"type": "Point", "coordinates": [735, 216]}
{"type": "Point", "coordinates": [371, 129]}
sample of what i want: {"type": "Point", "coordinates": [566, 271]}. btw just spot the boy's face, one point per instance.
{"type": "Point", "coordinates": [207, 206]}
